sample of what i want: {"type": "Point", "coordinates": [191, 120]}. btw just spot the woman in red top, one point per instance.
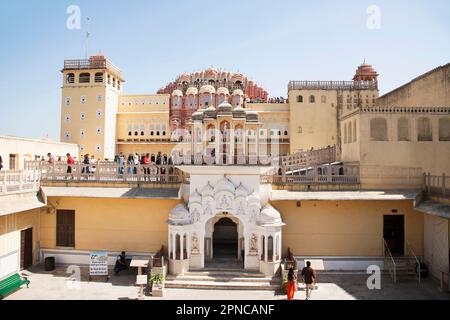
{"type": "Point", "coordinates": [146, 162]}
{"type": "Point", "coordinates": [70, 163]}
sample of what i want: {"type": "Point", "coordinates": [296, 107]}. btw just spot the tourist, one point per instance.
{"type": "Point", "coordinates": [146, 163]}
{"type": "Point", "coordinates": [292, 284]}
{"type": "Point", "coordinates": [309, 279]}
{"type": "Point", "coordinates": [136, 162]}
{"type": "Point", "coordinates": [51, 158]}
{"type": "Point", "coordinates": [121, 263]}
{"type": "Point", "coordinates": [92, 163]}
{"type": "Point", "coordinates": [70, 163]}
{"type": "Point", "coordinates": [130, 163]}
{"type": "Point", "coordinates": [1, 163]}
{"type": "Point", "coordinates": [121, 161]}
{"type": "Point", "coordinates": [85, 169]}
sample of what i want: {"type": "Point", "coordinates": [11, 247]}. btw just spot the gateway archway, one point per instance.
{"type": "Point", "coordinates": [225, 239]}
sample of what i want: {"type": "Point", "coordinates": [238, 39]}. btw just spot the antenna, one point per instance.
{"type": "Point", "coordinates": [88, 34]}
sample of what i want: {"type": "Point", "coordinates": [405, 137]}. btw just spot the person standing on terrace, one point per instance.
{"type": "Point", "coordinates": [70, 163]}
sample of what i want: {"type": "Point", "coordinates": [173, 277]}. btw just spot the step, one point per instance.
{"type": "Point", "coordinates": [234, 273]}
{"type": "Point", "coordinates": [223, 279]}
{"type": "Point", "coordinates": [215, 285]}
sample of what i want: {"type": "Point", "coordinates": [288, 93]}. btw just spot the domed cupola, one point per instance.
{"type": "Point", "coordinates": [224, 108]}
{"type": "Point", "coordinates": [177, 93]}
{"type": "Point", "coordinates": [179, 216]}
{"type": "Point", "coordinates": [365, 72]}
{"type": "Point", "coordinates": [239, 112]}
{"type": "Point", "coordinates": [269, 217]}
{"type": "Point", "coordinates": [210, 112]}
{"type": "Point", "coordinates": [224, 184]}
{"type": "Point", "coordinates": [252, 116]}
{"type": "Point", "coordinates": [197, 115]}
{"type": "Point", "coordinates": [191, 91]}
{"type": "Point", "coordinates": [223, 90]}
{"type": "Point", "coordinates": [207, 89]}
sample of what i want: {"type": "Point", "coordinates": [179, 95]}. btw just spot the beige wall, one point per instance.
{"type": "Point", "coordinates": [431, 156]}
{"type": "Point", "coordinates": [436, 239]}
{"type": "Point", "coordinates": [100, 109]}
{"type": "Point", "coordinates": [428, 90]}
{"type": "Point", "coordinates": [112, 224]}
{"type": "Point", "coordinates": [312, 124]}
{"type": "Point", "coordinates": [27, 149]}
{"type": "Point", "coordinates": [344, 228]}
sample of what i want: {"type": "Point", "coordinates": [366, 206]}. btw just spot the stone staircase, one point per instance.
{"type": "Point", "coordinates": [405, 268]}
{"type": "Point", "coordinates": [223, 275]}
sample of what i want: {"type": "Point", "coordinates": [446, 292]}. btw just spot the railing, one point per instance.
{"type": "Point", "coordinates": [332, 85]}
{"type": "Point", "coordinates": [310, 157]}
{"type": "Point", "coordinates": [14, 182]}
{"type": "Point", "coordinates": [81, 64]}
{"type": "Point", "coordinates": [314, 175]}
{"type": "Point", "coordinates": [107, 171]}
{"type": "Point", "coordinates": [224, 159]}
{"type": "Point", "coordinates": [438, 185]}
{"type": "Point", "coordinates": [413, 259]}
{"type": "Point", "coordinates": [389, 262]}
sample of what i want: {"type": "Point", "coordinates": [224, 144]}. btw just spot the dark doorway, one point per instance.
{"type": "Point", "coordinates": [225, 239]}
{"type": "Point", "coordinates": [394, 233]}
{"type": "Point", "coordinates": [26, 248]}
{"type": "Point", "coordinates": [65, 228]}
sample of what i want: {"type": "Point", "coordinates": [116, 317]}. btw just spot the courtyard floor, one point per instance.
{"type": "Point", "coordinates": [56, 285]}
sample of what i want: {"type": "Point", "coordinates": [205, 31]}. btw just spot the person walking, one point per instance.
{"type": "Point", "coordinates": [1, 163]}
{"type": "Point", "coordinates": [309, 278]}
{"type": "Point", "coordinates": [292, 284]}
{"type": "Point", "coordinates": [70, 164]}
{"type": "Point", "coordinates": [121, 161]}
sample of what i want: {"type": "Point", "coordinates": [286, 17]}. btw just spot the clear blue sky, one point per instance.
{"type": "Point", "coordinates": [154, 41]}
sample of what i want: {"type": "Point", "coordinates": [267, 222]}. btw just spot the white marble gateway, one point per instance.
{"type": "Point", "coordinates": [230, 194]}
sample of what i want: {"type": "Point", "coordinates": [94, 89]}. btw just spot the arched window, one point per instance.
{"type": "Point", "coordinates": [424, 132]}
{"type": "Point", "coordinates": [378, 129]}
{"type": "Point", "coordinates": [444, 129]}
{"type": "Point", "coordinates": [350, 136]}
{"type": "Point", "coordinates": [312, 99]}
{"type": "Point", "coordinates": [285, 133]}
{"type": "Point", "coordinates": [84, 78]}
{"type": "Point", "coordinates": [345, 133]}
{"type": "Point", "coordinates": [403, 129]}
{"type": "Point", "coordinates": [130, 133]}
{"type": "Point", "coordinates": [70, 78]}
{"type": "Point", "coordinates": [270, 248]}
{"type": "Point", "coordinates": [136, 133]}
{"type": "Point", "coordinates": [323, 99]}
{"type": "Point", "coordinates": [99, 77]}
{"type": "Point", "coordinates": [300, 99]}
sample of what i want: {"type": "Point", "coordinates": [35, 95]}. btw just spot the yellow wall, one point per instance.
{"type": "Point", "coordinates": [344, 228]}
{"type": "Point", "coordinates": [112, 224]}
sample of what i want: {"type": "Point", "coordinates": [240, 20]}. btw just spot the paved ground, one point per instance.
{"type": "Point", "coordinates": [56, 285]}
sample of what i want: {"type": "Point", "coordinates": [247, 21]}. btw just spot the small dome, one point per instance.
{"type": "Point", "coordinates": [207, 89]}
{"type": "Point", "coordinates": [223, 90]}
{"type": "Point", "coordinates": [197, 115]}
{"type": "Point", "coordinates": [192, 90]}
{"type": "Point", "coordinates": [207, 190]}
{"type": "Point", "coordinates": [225, 107]}
{"type": "Point", "coordinates": [252, 116]}
{"type": "Point", "coordinates": [179, 216]}
{"type": "Point", "coordinates": [241, 191]}
{"type": "Point", "coordinates": [195, 197]}
{"type": "Point", "coordinates": [224, 184]}
{"type": "Point", "coordinates": [269, 216]}
{"type": "Point", "coordinates": [237, 76]}
{"type": "Point", "coordinates": [365, 72]}
{"type": "Point", "coordinates": [184, 77]}
{"type": "Point", "coordinates": [238, 92]}
{"type": "Point", "coordinates": [239, 112]}
{"type": "Point", "coordinates": [177, 93]}
{"type": "Point", "coordinates": [210, 112]}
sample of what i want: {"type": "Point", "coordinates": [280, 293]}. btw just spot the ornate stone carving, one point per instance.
{"type": "Point", "coordinates": [195, 248]}
{"type": "Point", "coordinates": [253, 248]}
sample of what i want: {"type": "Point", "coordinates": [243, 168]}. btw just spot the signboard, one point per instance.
{"type": "Point", "coordinates": [141, 279]}
{"type": "Point", "coordinates": [98, 265]}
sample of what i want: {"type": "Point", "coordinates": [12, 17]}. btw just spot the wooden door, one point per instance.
{"type": "Point", "coordinates": [394, 233]}
{"type": "Point", "coordinates": [26, 248]}
{"type": "Point", "coordinates": [65, 228]}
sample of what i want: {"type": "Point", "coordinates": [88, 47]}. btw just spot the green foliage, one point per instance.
{"type": "Point", "coordinates": [157, 278]}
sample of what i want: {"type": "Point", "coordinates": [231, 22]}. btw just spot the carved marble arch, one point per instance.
{"type": "Point", "coordinates": [224, 196]}
{"type": "Point", "coordinates": [225, 130]}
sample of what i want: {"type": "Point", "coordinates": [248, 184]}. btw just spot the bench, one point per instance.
{"type": "Point", "coordinates": [12, 283]}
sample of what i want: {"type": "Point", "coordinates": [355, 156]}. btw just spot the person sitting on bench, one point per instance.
{"type": "Point", "coordinates": [121, 263]}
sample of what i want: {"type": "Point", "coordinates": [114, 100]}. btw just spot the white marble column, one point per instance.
{"type": "Point", "coordinates": [182, 247]}
{"type": "Point", "coordinates": [266, 242]}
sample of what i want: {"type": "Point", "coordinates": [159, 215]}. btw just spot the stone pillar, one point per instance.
{"type": "Point", "coordinates": [174, 246]}
{"type": "Point", "coordinates": [182, 247]}
{"type": "Point", "coordinates": [274, 248]}
{"type": "Point", "coordinates": [170, 244]}
{"type": "Point", "coordinates": [266, 242]}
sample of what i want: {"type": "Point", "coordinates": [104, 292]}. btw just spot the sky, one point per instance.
{"type": "Point", "coordinates": [153, 42]}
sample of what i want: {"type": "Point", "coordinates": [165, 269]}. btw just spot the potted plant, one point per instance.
{"type": "Point", "coordinates": [157, 281]}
